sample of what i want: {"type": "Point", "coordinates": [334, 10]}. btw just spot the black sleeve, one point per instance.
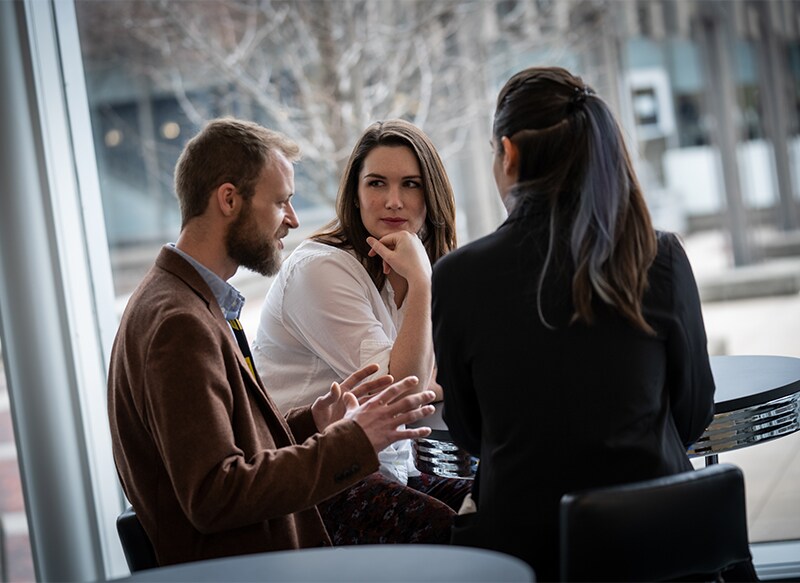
{"type": "Point", "coordinates": [450, 332]}
{"type": "Point", "coordinates": [691, 384]}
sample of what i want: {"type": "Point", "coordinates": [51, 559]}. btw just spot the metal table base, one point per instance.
{"type": "Point", "coordinates": [758, 399]}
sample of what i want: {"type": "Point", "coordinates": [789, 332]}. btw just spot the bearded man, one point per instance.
{"type": "Point", "coordinates": [209, 465]}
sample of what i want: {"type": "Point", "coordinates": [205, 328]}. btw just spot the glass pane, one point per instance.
{"type": "Point", "coordinates": [751, 306]}
{"type": "Point", "coordinates": [321, 71]}
{"type": "Point", "coordinates": [16, 561]}
{"type": "Point", "coordinates": [755, 325]}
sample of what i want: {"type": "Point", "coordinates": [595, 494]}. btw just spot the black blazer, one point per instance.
{"type": "Point", "coordinates": [552, 411]}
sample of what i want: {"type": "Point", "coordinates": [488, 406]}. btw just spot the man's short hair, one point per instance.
{"type": "Point", "coordinates": [226, 150]}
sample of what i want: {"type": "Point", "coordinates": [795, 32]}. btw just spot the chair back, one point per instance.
{"type": "Point", "coordinates": [136, 545]}
{"type": "Point", "coordinates": [684, 525]}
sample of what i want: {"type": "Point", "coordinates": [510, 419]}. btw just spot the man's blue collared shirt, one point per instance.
{"type": "Point", "coordinates": [228, 297]}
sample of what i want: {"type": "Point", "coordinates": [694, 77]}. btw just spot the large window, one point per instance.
{"type": "Point", "coordinates": [322, 70]}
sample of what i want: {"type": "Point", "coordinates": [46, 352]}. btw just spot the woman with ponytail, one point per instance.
{"type": "Point", "coordinates": [569, 343]}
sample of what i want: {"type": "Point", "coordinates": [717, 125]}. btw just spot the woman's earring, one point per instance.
{"type": "Point", "coordinates": [355, 202]}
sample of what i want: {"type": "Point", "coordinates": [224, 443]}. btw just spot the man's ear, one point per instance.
{"type": "Point", "coordinates": [226, 198]}
{"type": "Point", "coordinates": [510, 157]}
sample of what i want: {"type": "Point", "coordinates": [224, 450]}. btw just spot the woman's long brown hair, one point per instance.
{"type": "Point", "coordinates": [347, 230]}
{"type": "Point", "coordinates": [573, 154]}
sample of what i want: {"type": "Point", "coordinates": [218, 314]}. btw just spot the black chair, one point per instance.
{"type": "Point", "coordinates": [689, 526]}
{"type": "Point", "coordinates": [136, 545]}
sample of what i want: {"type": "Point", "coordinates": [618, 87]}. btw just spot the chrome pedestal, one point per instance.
{"type": "Point", "coordinates": [443, 458]}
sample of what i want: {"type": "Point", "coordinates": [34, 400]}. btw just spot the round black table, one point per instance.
{"type": "Point", "coordinates": [396, 563]}
{"type": "Point", "coordinates": [436, 454]}
{"type": "Point", "coordinates": [757, 399]}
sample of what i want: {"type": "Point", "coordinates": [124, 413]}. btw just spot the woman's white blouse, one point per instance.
{"type": "Point", "coordinates": [323, 319]}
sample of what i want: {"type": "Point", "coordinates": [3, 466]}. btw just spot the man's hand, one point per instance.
{"type": "Point", "coordinates": [332, 406]}
{"type": "Point", "coordinates": [381, 416]}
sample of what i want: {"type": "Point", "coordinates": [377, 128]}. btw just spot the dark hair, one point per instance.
{"type": "Point", "coordinates": [348, 231]}
{"type": "Point", "coordinates": [225, 150]}
{"type": "Point", "coordinates": [573, 158]}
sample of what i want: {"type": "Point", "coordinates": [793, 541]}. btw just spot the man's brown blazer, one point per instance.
{"type": "Point", "coordinates": [204, 456]}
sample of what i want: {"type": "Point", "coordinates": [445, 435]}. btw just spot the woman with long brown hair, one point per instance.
{"type": "Point", "coordinates": [570, 342]}
{"type": "Point", "coordinates": [357, 292]}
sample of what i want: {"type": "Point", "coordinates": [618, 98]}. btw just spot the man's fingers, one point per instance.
{"type": "Point", "coordinates": [388, 394]}
{"type": "Point", "coordinates": [350, 401]}
{"type": "Point", "coordinates": [373, 386]}
{"type": "Point", "coordinates": [332, 396]}
{"type": "Point", "coordinates": [413, 407]}
{"type": "Point", "coordinates": [410, 416]}
{"type": "Point", "coordinates": [414, 433]}
{"type": "Point", "coordinates": [358, 376]}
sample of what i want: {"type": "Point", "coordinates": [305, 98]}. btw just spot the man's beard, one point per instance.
{"type": "Point", "coordinates": [250, 248]}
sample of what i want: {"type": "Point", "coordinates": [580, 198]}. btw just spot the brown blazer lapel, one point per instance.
{"type": "Point", "coordinates": [170, 261]}
{"type": "Point", "coordinates": [256, 387]}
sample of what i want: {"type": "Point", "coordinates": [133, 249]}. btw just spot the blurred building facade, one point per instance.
{"type": "Point", "coordinates": [708, 91]}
